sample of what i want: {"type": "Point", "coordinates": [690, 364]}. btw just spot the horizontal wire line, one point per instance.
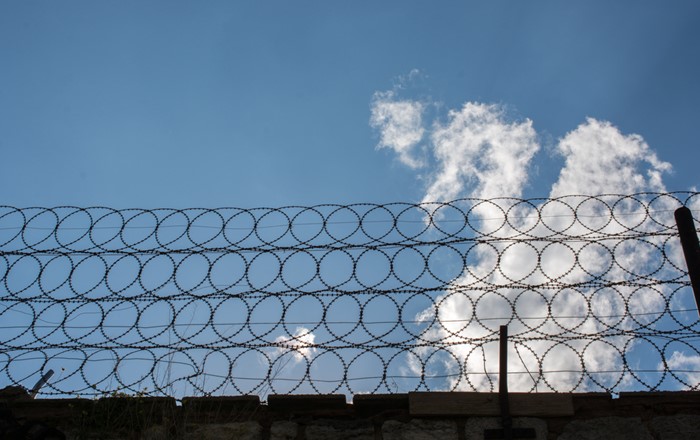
{"type": "Point", "coordinates": [428, 321]}
{"type": "Point", "coordinates": [134, 341]}
{"type": "Point", "coordinates": [287, 225]}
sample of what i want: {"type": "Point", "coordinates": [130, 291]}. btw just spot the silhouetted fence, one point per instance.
{"type": "Point", "coordinates": [349, 298]}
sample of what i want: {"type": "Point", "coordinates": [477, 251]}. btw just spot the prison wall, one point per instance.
{"type": "Point", "coordinates": [412, 416]}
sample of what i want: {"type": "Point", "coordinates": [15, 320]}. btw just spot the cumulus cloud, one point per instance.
{"type": "Point", "coordinates": [686, 366]}
{"type": "Point", "coordinates": [400, 126]}
{"type": "Point", "coordinates": [301, 344]}
{"type": "Point", "coordinates": [479, 153]}
{"type": "Point", "coordinates": [600, 159]}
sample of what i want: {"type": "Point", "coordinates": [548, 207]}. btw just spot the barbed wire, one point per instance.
{"type": "Point", "coordinates": [349, 298]}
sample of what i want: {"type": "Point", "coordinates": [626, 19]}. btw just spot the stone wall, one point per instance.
{"type": "Point", "coordinates": [414, 416]}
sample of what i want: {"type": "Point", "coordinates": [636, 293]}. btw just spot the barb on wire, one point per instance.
{"type": "Point", "coordinates": [349, 298]}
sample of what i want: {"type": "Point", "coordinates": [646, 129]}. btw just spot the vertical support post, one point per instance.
{"type": "Point", "coordinates": [507, 432]}
{"type": "Point", "coordinates": [691, 248]}
{"type": "Point", "coordinates": [506, 420]}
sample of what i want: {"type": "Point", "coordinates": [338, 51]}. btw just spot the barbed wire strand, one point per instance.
{"type": "Point", "coordinates": [319, 299]}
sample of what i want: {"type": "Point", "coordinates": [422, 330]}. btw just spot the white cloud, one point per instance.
{"type": "Point", "coordinates": [600, 159]}
{"type": "Point", "coordinates": [400, 126]}
{"type": "Point", "coordinates": [686, 366]}
{"type": "Point", "coordinates": [404, 80]}
{"type": "Point", "coordinates": [301, 343]}
{"type": "Point", "coordinates": [478, 153]}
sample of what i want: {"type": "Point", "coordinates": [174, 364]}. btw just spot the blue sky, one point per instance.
{"type": "Point", "coordinates": [268, 103]}
{"type": "Point", "coordinates": [207, 104]}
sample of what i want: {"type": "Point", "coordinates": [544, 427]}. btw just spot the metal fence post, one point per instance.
{"type": "Point", "coordinates": [42, 381]}
{"type": "Point", "coordinates": [691, 248]}
{"type": "Point", "coordinates": [506, 420]}
{"type": "Point", "coordinates": [507, 432]}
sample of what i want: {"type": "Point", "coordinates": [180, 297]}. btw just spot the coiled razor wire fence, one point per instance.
{"type": "Point", "coordinates": [361, 298]}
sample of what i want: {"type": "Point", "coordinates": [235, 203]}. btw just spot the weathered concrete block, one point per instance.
{"type": "Point", "coordinates": [678, 427]}
{"type": "Point", "coordinates": [593, 404]}
{"type": "Point", "coordinates": [377, 403]}
{"type": "Point", "coordinates": [219, 409]}
{"type": "Point", "coordinates": [340, 429]}
{"type": "Point", "coordinates": [156, 432]}
{"type": "Point", "coordinates": [419, 429]}
{"type": "Point", "coordinates": [226, 431]}
{"type": "Point", "coordinates": [610, 428]}
{"type": "Point", "coordinates": [306, 402]}
{"type": "Point", "coordinates": [283, 431]}
{"type": "Point", "coordinates": [475, 426]}
{"type": "Point", "coordinates": [448, 403]}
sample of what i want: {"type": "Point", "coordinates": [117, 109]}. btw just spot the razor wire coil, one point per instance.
{"type": "Point", "coordinates": [349, 298]}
